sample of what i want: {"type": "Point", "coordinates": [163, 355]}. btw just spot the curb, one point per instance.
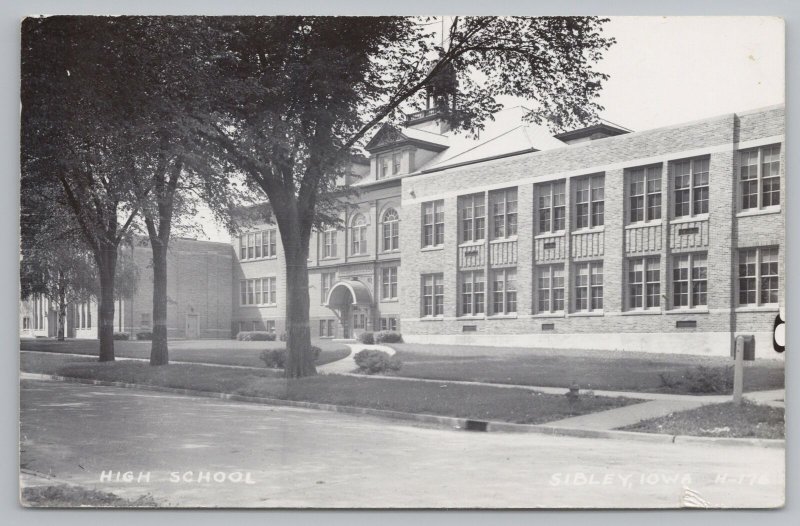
{"type": "Point", "coordinates": [441, 421]}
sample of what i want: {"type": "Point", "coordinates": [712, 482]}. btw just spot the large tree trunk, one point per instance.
{"type": "Point", "coordinates": [299, 358]}
{"type": "Point", "coordinates": [159, 352]}
{"type": "Point", "coordinates": [105, 328]}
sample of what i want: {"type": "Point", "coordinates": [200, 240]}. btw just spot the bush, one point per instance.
{"type": "Point", "coordinates": [255, 336]}
{"type": "Point", "coordinates": [388, 337]}
{"type": "Point", "coordinates": [120, 335]}
{"type": "Point", "coordinates": [700, 379]}
{"type": "Point", "coordinates": [366, 337]}
{"type": "Point", "coordinates": [144, 335]}
{"type": "Point", "coordinates": [372, 361]}
{"type": "Point", "coordinates": [276, 358]}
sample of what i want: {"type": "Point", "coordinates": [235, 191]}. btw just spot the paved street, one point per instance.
{"type": "Point", "coordinates": [297, 457]}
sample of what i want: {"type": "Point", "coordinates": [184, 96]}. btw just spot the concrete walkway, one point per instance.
{"type": "Point", "coordinates": [628, 415]}
{"type": "Point", "coordinates": [348, 364]}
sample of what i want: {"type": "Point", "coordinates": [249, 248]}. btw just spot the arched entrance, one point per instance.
{"type": "Point", "coordinates": [351, 301]}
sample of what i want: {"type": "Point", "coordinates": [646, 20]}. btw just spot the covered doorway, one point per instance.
{"type": "Point", "coordinates": [351, 301]}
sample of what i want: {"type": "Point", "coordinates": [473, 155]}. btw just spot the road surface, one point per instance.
{"type": "Point", "coordinates": [188, 451]}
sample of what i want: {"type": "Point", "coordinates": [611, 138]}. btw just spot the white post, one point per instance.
{"type": "Point", "coordinates": [738, 371]}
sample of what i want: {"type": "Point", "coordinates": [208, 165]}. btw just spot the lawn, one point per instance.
{"type": "Point", "coordinates": [465, 401]}
{"type": "Point", "coordinates": [223, 352]}
{"type": "Point", "coordinates": [749, 420]}
{"type": "Point", "coordinates": [608, 370]}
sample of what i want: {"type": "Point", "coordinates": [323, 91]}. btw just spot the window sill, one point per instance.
{"type": "Point", "coordinates": [392, 251]}
{"type": "Point", "coordinates": [758, 308]}
{"type": "Point", "coordinates": [642, 312]}
{"type": "Point", "coordinates": [502, 317]}
{"type": "Point", "coordinates": [500, 240]}
{"type": "Point", "coordinates": [688, 219]}
{"type": "Point", "coordinates": [432, 248]}
{"type": "Point", "coordinates": [587, 314]}
{"type": "Point", "coordinates": [328, 258]}
{"type": "Point", "coordinates": [703, 310]}
{"type": "Point", "coordinates": [545, 315]}
{"type": "Point", "coordinates": [360, 255]}
{"type": "Point", "coordinates": [389, 300]}
{"type": "Point", "coordinates": [548, 235]}
{"type": "Point", "coordinates": [260, 306]}
{"type": "Point", "coordinates": [759, 211]}
{"type": "Point", "coordinates": [432, 318]}
{"type": "Point", "coordinates": [643, 224]}
{"type": "Point", "coordinates": [472, 244]}
{"type": "Point", "coordinates": [471, 317]}
{"type": "Point", "coordinates": [590, 230]}
{"type": "Point", "coordinates": [252, 260]}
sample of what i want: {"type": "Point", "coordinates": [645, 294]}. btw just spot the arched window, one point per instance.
{"type": "Point", "coordinates": [358, 235]}
{"type": "Point", "coordinates": [391, 230]}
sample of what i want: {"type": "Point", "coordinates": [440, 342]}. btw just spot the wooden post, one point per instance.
{"type": "Point", "coordinates": [738, 371]}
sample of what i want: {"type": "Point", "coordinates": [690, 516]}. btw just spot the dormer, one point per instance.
{"type": "Point", "coordinates": [393, 152]}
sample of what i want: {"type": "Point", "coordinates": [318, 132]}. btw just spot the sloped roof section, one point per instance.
{"type": "Point", "coordinates": [389, 136]}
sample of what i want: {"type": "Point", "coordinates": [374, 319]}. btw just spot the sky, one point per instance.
{"type": "Point", "coordinates": [668, 70]}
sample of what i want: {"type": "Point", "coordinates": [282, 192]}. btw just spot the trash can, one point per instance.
{"type": "Point", "coordinates": [748, 342]}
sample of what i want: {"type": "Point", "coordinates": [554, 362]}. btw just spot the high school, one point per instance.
{"type": "Point", "coordinates": [665, 240]}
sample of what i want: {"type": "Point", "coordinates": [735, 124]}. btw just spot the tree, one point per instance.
{"type": "Point", "coordinates": [77, 135]}
{"type": "Point", "coordinates": [296, 95]}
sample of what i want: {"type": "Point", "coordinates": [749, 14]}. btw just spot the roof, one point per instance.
{"type": "Point", "coordinates": [605, 127]}
{"type": "Point", "coordinates": [349, 291]}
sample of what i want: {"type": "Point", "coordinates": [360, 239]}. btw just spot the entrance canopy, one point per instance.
{"type": "Point", "coordinates": [349, 292]}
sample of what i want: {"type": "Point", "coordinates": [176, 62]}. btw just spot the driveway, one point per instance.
{"type": "Point", "coordinates": [283, 457]}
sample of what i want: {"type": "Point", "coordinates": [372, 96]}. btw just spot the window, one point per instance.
{"type": "Point", "coordinates": [328, 279]}
{"type": "Point", "coordinates": [689, 281]}
{"type": "Point", "coordinates": [644, 283]}
{"type": "Point", "coordinates": [358, 235]}
{"type": "Point", "coordinates": [270, 326]}
{"type": "Point", "coordinates": [760, 168]}
{"type": "Point", "coordinates": [396, 164]}
{"type": "Point", "coordinates": [383, 167]}
{"type": "Point", "coordinates": [258, 291]}
{"type": "Point", "coordinates": [550, 288]}
{"type": "Point", "coordinates": [758, 276]}
{"type": "Point", "coordinates": [504, 291]}
{"type": "Point", "coordinates": [504, 213]}
{"type": "Point", "coordinates": [552, 206]}
{"type": "Point", "coordinates": [327, 329]}
{"type": "Point", "coordinates": [254, 245]}
{"type": "Point", "coordinates": [432, 295]}
{"type": "Point", "coordinates": [691, 187]}
{"type": "Point", "coordinates": [433, 223]}
{"type": "Point", "coordinates": [329, 243]}
{"type": "Point", "coordinates": [391, 230]}
{"type": "Point", "coordinates": [589, 203]}
{"type": "Point", "coordinates": [389, 283]}
{"type": "Point", "coordinates": [359, 318]}
{"type": "Point", "coordinates": [472, 293]}
{"type": "Point", "coordinates": [389, 324]}
{"type": "Point", "coordinates": [26, 323]}
{"type": "Point", "coordinates": [589, 286]}
{"type": "Point", "coordinates": [644, 194]}
{"type": "Point", "coordinates": [472, 211]}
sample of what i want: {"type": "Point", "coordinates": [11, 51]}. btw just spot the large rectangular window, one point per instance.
{"type": "Point", "coordinates": [550, 288]}
{"type": "Point", "coordinates": [258, 291]}
{"type": "Point", "coordinates": [689, 281]}
{"type": "Point", "coordinates": [552, 206]}
{"type": "Point", "coordinates": [256, 245]}
{"type": "Point", "coordinates": [644, 283]}
{"type": "Point", "coordinates": [472, 293]}
{"type": "Point", "coordinates": [433, 223]}
{"type": "Point", "coordinates": [389, 283]}
{"type": "Point", "coordinates": [758, 276]}
{"type": "Point", "coordinates": [432, 294]}
{"type": "Point", "coordinates": [690, 184]}
{"type": "Point", "coordinates": [589, 202]}
{"type": "Point", "coordinates": [759, 177]}
{"type": "Point", "coordinates": [644, 194]}
{"type": "Point", "coordinates": [504, 212]}
{"type": "Point", "coordinates": [327, 281]}
{"type": "Point", "coordinates": [589, 286]}
{"type": "Point", "coordinates": [472, 213]}
{"type": "Point", "coordinates": [504, 291]}
{"type": "Point", "coordinates": [329, 249]}
{"type": "Point", "coordinates": [388, 324]}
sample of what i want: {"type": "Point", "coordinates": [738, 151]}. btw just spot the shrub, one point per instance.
{"type": "Point", "coordinates": [120, 335]}
{"type": "Point", "coordinates": [276, 358]}
{"type": "Point", "coordinates": [700, 379]}
{"type": "Point", "coordinates": [256, 336]}
{"type": "Point", "coordinates": [144, 335]}
{"type": "Point", "coordinates": [372, 361]}
{"type": "Point", "coordinates": [388, 337]}
{"type": "Point", "coordinates": [366, 337]}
